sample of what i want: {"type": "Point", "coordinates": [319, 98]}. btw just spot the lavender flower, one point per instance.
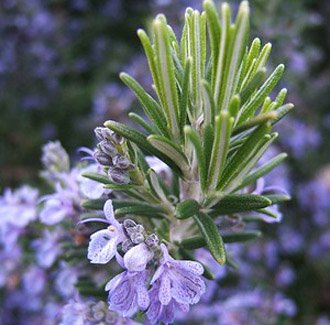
{"type": "Point", "coordinates": [89, 188]}
{"type": "Point", "coordinates": [136, 259]}
{"type": "Point", "coordinates": [103, 244]}
{"type": "Point", "coordinates": [164, 313]}
{"type": "Point", "coordinates": [62, 204]}
{"type": "Point", "coordinates": [55, 160]}
{"type": "Point", "coordinates": [47, 247]}
{"type": "Point", "coordinates": [18, 207]}
{"type": "Point", "coordinates": [175, 280]}
{"type": "Point", "coordinates": [128, 293]}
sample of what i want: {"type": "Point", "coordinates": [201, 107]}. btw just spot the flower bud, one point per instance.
{"type": "Point", "coordinates": [137, 238]}
{"type": "Point", "coordinates": [54, 157]}
{"type": "Point", "coordinates": [108, 147]}
{"type": "Point", "coordinates": [152, 241]}
{"type": "Point", "coordinates": [117, 138]}
{"type": "Point", "coordinates": [129, 223]}
{"type": "Point", "coordinates": [102, 133]}
{"type": "Point", "coordinates": [126, 245]}
{"type": "Point", "coordinates": [102, 158]}
{"type": "Point", "coordinates": [121, 162]}
{"type": "Point", "coordinates": [118, 176]}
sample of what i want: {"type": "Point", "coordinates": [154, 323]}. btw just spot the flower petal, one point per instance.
{"type": "Point", "coordinates": [114, 282]}
{"type": "Point", "coordinates": [102, 247]}
{"type": "Point", "coordinates": [190, 266]}
{"type": "Point", "coordinates": [143, 299]}
{"type": "Point", "coordinates": [164, 294]}
{"type": "Point", "coordinates": [186, 288]}
{"type": "Point", "coordinates": [136, 259]}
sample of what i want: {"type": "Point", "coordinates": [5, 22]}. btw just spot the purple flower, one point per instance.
{"type": "Point", "coordinates": [103, 243]}
{"type": "Point", "coordinates": [128, 293]}
{"type": "Point", "coordinates": [136, 259]}
{"type": "Point", "coordinates": [47, 248]}
{"type": "Point", "coordinates": [175, 280]}
{"type": "Point", "coordinates": [58, 206]}
{"type": "Point", "coordinates": [89, 188]}
{"type": "Point", "coordinates": [165, 313]}
{"type": "Point", "coordinates": [18, 207]}
{"type": "Point", "coordinates": [55, 160]}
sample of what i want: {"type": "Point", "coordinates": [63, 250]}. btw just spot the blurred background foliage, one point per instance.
{"type": "Point", "coordinates": [59, 65]}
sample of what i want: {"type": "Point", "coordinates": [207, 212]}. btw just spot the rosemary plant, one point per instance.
{"type": "Point", "coordinates": [209, 121]}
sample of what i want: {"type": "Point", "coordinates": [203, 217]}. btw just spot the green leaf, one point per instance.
{"type": "Point", "coordinates": [165, 69]}
{"type": "Point", "coordinates": [139, 120]}
{"type": "Point", "coordinates": [234, 105]}
{"type": "Point", "coordinates": [97, 177]}
{"type": "Point", "coordinates": [235, 53]}
{"type": "Point", "coordinates": [185, 94]}
{"type": "Point", "coordinates": [223, 127]}
{"type": "Point", "coordinates": [278, 198]}
{"type": "Point", "coordinates": [282, 111]}
{"type": "Point", "coordinates": [151, 60]}
{"type": "Point", "coordinates": [212, 236]}
{"type": "Point", "coordinates": [96, 204]}
{"type": "Point", "coordinates": [208, 103]}
{"type": "Point", "coordinates": [253, 52]}
{"type": "Point", "coordinates": [255, 121]}
{"type": "Point", "coordinates": [140, 209]}
{"type": "Point", "coordinates": [199, 241]}
{"type": "Point", "coordinates": [208, 143]}
{"type": "Point", "coordinates": [120, 187]}
{"type": "Point", "coordinates": [187, 209]}
{"type": "Point", "coordinates": [141, 140]}
{"type": "Point", "coordinates": [171, 150]}
{"type": "Point", "coordinates": [241, 237]}
{"type": "Point", "coordinates": [194, 138]}
{"type": "Point", "coordinates": [224, 40]}
{"type": "Point", "coordinates": [156, 186]}
{"type": "Point", "coordinates": [257, 99]}
{"type": "Point", "coordinates": [235, 203]}
{"type": "Point", "coordinates": [254, 83]}
{"type": "Point", "coordinates": [150, 106]}
{"type": "Point", "coordinates": [263, 170]}
{"type": "Point", "coordinates": [280, 98]}
{"type": "Point", "coordinates": [193, 242]}
{"type": "Point", "coordinates": [213, 23]}
{"type": "Point", "coordinates": [243, 156]}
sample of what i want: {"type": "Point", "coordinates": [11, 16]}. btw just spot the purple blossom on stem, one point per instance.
{"type": "Point", "coordinates": [59, 205]}
{"type": "Point", "coordinates": [136, 259]}
{"type": "Point", "coordinates": [174, 280]}
{"type": "Point", "coordinates": [103, 243]}
{"type": "Point", "coordinates": [47, 248]}
{"type": "Point", "coordinates": [128, 293]}
{"type": "Point", "coordinates": [159, 312]}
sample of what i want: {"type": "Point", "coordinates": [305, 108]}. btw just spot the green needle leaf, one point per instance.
{"type": "Point", "coordinates": [165, 68]}
{"type": "Point", "coordinates": [171, 150]}
{"type": "Point", "coordinates": [150, 106]}
{"type": "Point", "coordinates": [199, 241]}
{"type": "Point", "coordinates": [263, 170]}
{"type": "Point", "coordinates": [211, 236]}
{"type": "Point", "coordinates": [223, 127]}
{"type": "Point", "coordinates": [257, 99]}
{"type": "Point", "coordinates": [194, 138]}
{"type": "Point", "coordinates": [235, 203]}
{"type": "Point", "coordinates": [187, 209]}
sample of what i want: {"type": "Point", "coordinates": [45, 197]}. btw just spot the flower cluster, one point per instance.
{"type": "Point", "coordinates": [174, 284]}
